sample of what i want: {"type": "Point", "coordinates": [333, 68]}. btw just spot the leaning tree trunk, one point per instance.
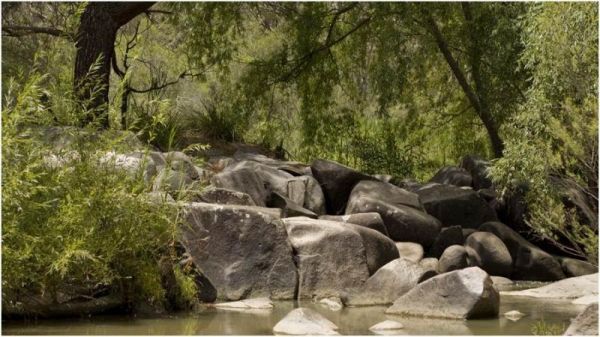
{"type": "Point", "coordinates": [475, 96]}
{"type": "Point", "coordinates": [95, 41]}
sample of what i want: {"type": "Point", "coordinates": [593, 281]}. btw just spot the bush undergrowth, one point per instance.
{"type": "Point", "coordinates": [72, 224]}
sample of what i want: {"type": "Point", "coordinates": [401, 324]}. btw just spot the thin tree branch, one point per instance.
{"type": "Point", "coordinates": [18, 31]}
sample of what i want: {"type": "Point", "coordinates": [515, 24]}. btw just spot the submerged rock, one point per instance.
{"type": "Point", "coordinates": [332, 303]}
{"type": "Point", "coordinates": [461, 294]}
{"type": "Point", "coordinates": [570, 288]}
{"type": "Point", "coordinates": [304, 321]}
{"type": "Point", "coordinates": [386, 327]}
{"type": "Point", "coordinates": [586, 323]}
{"type": "Point", "coordinates": [261, 303]}
{"type": "Point", "coordinates": [514, 315]}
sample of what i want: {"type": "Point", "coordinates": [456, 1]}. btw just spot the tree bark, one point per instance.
{"type": "Point", "coordinates": [95, 41]}
{"type": "Point", "coordinates": [474, 97]}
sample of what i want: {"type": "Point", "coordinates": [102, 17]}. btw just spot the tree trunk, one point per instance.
{"type": "Point", "coordinates": [95, 41]}
{"type": "Point", "coordinates": [479, 104]}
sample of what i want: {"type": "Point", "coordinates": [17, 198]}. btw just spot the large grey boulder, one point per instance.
{"type": "Point", "coordinates": [573, 267]}
{"type": "Point", "coordinates": [454, 257]}
{"type": "Point", "coordinates": [452, 175]}
{"type": "Point", "coordinates": [304, 321]}
{"type": "Point", "coordinates": [586, 323]}
{"type": "Point", "coordinates": [448, 236]}
{"type": "Point", "coordinates": [489, 253]}
{"type": "Point", "coordinates": [337, 181]}
{"type": "Point", "coordinates": [387, 192]}
{"type": "Point", "coordinates": [215, 195]}
{"type": "Point", "coordinates": [456, 206]}
{"type": "Point", "coordinates": [478, 169]}
{"type": "Point", "coordinates": [529, 262]}
{"type": "Point", "coordinates": [260, 181]}
{"type": "Point", "coordinates": [370, 220]}
{"type": "Point", "coordinates": [241, 250]}
{"type": "Point", "coordinates": [248, 305]}
{"type": "Point", "coordinates": [460, 294]}
{"type": "Point", "coordinates": [403, 223]}
{"type": "Point", "coordinates": [567, 289]}
{"type": "Point", "coordinates": [388, 283]}
{"type": "Point", "coordinates": [330, 256]}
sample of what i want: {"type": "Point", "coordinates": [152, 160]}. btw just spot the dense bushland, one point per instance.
{"type": "Point", "coordinates": [387, 88]}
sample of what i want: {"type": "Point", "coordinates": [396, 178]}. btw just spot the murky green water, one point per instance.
{"type": "Point", "coordinates": [349, 320]}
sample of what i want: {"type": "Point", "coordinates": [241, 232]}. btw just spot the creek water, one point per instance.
{"type": "Point", "coordinates": [351, 321]}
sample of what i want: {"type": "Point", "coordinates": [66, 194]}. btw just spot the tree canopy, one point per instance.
{"type": "Point", "coordinates": [394, 88]}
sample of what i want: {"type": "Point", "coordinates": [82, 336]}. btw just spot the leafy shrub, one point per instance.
{"type": "Point", "coordinates": [541, 328]}
{"type": "Point", "coordinates": [70, 224]}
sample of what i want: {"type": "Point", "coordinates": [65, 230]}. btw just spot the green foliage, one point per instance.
{"type": "Point", "coordinates": [541, 328]}
{"type": "Point", "coordinates": [72, 223]}
{"type": "Point", "coordinates": [556, 130]}
{"type": "Point", "coordinates": [188, 294]}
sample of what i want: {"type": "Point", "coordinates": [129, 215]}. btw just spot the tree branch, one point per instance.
{"type": "Point", "coordinates": [18, 31]}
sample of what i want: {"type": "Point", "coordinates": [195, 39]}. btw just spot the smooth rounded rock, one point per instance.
{"type": "Point", "coordinates": [487, 251]}
{"type": "Point", "coordinates": [386, 327]}
{"type": "Point", "coordinates": [573, 267]}
{"type": "Point", "coordinates": [529, 262]}
{"type": "Point", "coordinates": [448, 236]}
{"type": "Point", "coordinates": [454, 257]}
{"type": "Point", "coordinates": [452, 175]}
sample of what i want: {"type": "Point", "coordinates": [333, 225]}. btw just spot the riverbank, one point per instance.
{"type": "Point", "coordinates": [351, 321]}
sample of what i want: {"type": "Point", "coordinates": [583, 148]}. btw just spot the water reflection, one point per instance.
{"type": "Point", "coordinates": [211, 321]}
